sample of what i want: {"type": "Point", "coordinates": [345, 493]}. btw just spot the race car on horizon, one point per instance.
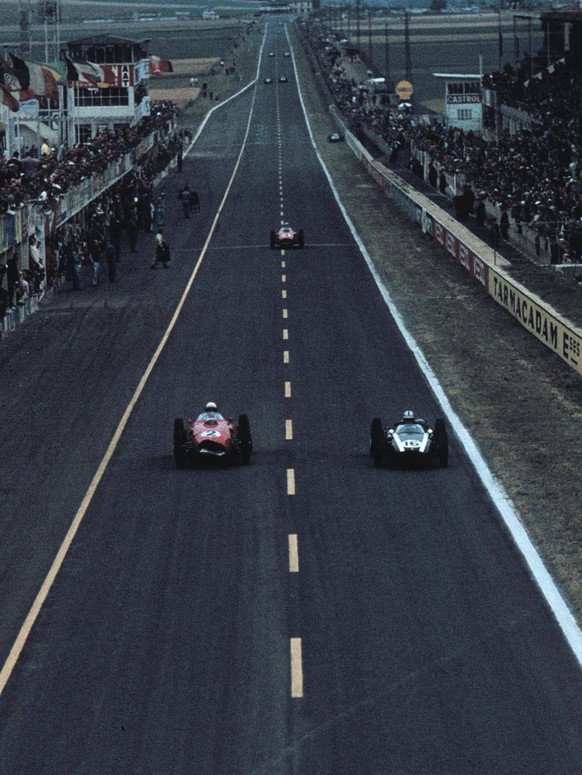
{"type": "Point", "coordinates": [212, 438]}
{"type": "Point", "coordinates": [268, 79]}
{"type": "Point", "coordinates": [286, 237]}
{"type": "Point", "coordinates": [409, 442]}
{"type": "Point", "coordinates": [335, 137]}
{"type": "Point", "coordinates": [283, 79]}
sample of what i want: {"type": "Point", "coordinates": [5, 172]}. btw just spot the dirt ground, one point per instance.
{"type": "Point", "coordinates": [522, 405]}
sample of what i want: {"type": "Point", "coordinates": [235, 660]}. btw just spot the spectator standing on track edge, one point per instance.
{"type": "Point", "coordinates": [185, 197]}
{"type": "Point", "coordinates": [161, 251]}
{"type": "Point", "coordinates": [76, 264]}
{"type": "Point", "coordinates": [95, 259]}
{"type": "Point", "coordinates": [160, 210]}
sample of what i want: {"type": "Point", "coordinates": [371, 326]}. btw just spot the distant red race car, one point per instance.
{"type": "Point", "coordinates": [212, 438]}
{"type": "Point", "coordinates": [286, 237]}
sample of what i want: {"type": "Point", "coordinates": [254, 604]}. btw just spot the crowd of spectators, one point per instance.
{"type": "Point", "coordinates": [38, 176]}
{"type": "Point", "coordinates": [531, 177]}
{"type": "Point", "coordinates": [126, 208]}
{"type": "Point", "coordinates": [123, 212]}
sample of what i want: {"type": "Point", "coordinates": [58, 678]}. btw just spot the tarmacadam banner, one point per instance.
{"type": "Point", "coordinates": [557, 333]}
{"type": "Point", "coordinates": [564, 340]}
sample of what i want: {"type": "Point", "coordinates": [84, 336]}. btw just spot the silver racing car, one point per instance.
{"type": "Point", "coordinates": [410, 441]}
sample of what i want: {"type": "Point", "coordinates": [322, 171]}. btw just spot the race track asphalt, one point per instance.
{"type": "Point", "coordinates": [420, 645]}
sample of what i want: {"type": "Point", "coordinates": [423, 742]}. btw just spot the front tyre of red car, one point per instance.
{"type": "Point", "coordinates": [244, 436]}
{"type": "Point", "coordinates": [179, 435]}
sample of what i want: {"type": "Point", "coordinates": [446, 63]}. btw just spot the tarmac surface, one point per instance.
{"type": "Point", "coordinates": [176, 635]}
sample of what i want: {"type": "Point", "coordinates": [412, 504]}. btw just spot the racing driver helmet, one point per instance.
{"type": "Point", "coordinates": [211, 407]}
{"type": "Point", "coordinates": [408, 416]}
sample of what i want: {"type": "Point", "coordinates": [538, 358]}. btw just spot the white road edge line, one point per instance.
{"type": "Point", "coordinates": [494, 487]}
{"type": "Point", "coordinates": [56, 565]}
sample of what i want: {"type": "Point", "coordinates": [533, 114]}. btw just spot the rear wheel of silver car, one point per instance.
{"type": "Point", "coordinates": [244, 436]}
{"type": "Point", "coordinates": [377, 441]}
{"type": "Point", "coordinates": [179, 435]}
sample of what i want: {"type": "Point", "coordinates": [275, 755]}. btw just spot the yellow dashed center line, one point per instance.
{"type": "Point", "coordinates": [295, 643]}
{"type": "Point", "coordinates": [296, 668]}
{"type": "Point", "coordinates": [293, 554]}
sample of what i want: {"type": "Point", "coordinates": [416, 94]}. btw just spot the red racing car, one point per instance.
{"type": "Point", "coordinates": [211, 437]}
{"type": "Point", "coordinates": [286, 237]}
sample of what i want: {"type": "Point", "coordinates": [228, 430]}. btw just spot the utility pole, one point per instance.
{"type": "Point", "coordinates": [407, 57]}
{"type": "Point", "coordinates": [49, 13]}
{"type": "Point", "coordinates": [387, 58]}
{"type": "Point", "coordinates": [25, 18]}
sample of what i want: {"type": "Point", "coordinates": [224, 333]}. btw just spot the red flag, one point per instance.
{"type": "Point", "coordinates": [39, 79]}
{"type": "Point", "coordinates": [82, 70]}
{"type": "Point", "coordinates": [158, 66]}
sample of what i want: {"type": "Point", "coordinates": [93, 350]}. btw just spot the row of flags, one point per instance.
{"type": "Point", "coordinates": [22, 80]}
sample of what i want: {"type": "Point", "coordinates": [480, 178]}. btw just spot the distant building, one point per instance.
{"type": "Point", "coordinates": [301, 7]}
{"type": "Point", "coordinates": [463, 106]}
{"type": "Point", "coordinates": [210, 13]}
{"type": "Point", "coordinates": [296, 7]}
{"type": "Point", "coordinates": [120, 102]}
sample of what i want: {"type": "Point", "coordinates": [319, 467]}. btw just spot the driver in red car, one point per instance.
{"type": "Point", "coordinates": [210, 412]}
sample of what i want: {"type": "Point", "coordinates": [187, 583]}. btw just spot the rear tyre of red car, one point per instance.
{"type": "Point", "coordinates": [179, 435]}
{"type": "Point", "coordinates": [244, 435]}
{"type": "Point", "coordinates": [377, 441]}
{"type": "Point", "coordinates": [301, 238]}
{"type": "Point", "coordinates": [443, 442]}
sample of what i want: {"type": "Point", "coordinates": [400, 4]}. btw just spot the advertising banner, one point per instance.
{"type": "Point", "coordinates": [564, 340]}
{"type": "Point", "coordinates": [468, 259]}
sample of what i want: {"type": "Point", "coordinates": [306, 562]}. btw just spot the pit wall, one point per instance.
{"type": "Point", "coordinates": [480, 261]}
